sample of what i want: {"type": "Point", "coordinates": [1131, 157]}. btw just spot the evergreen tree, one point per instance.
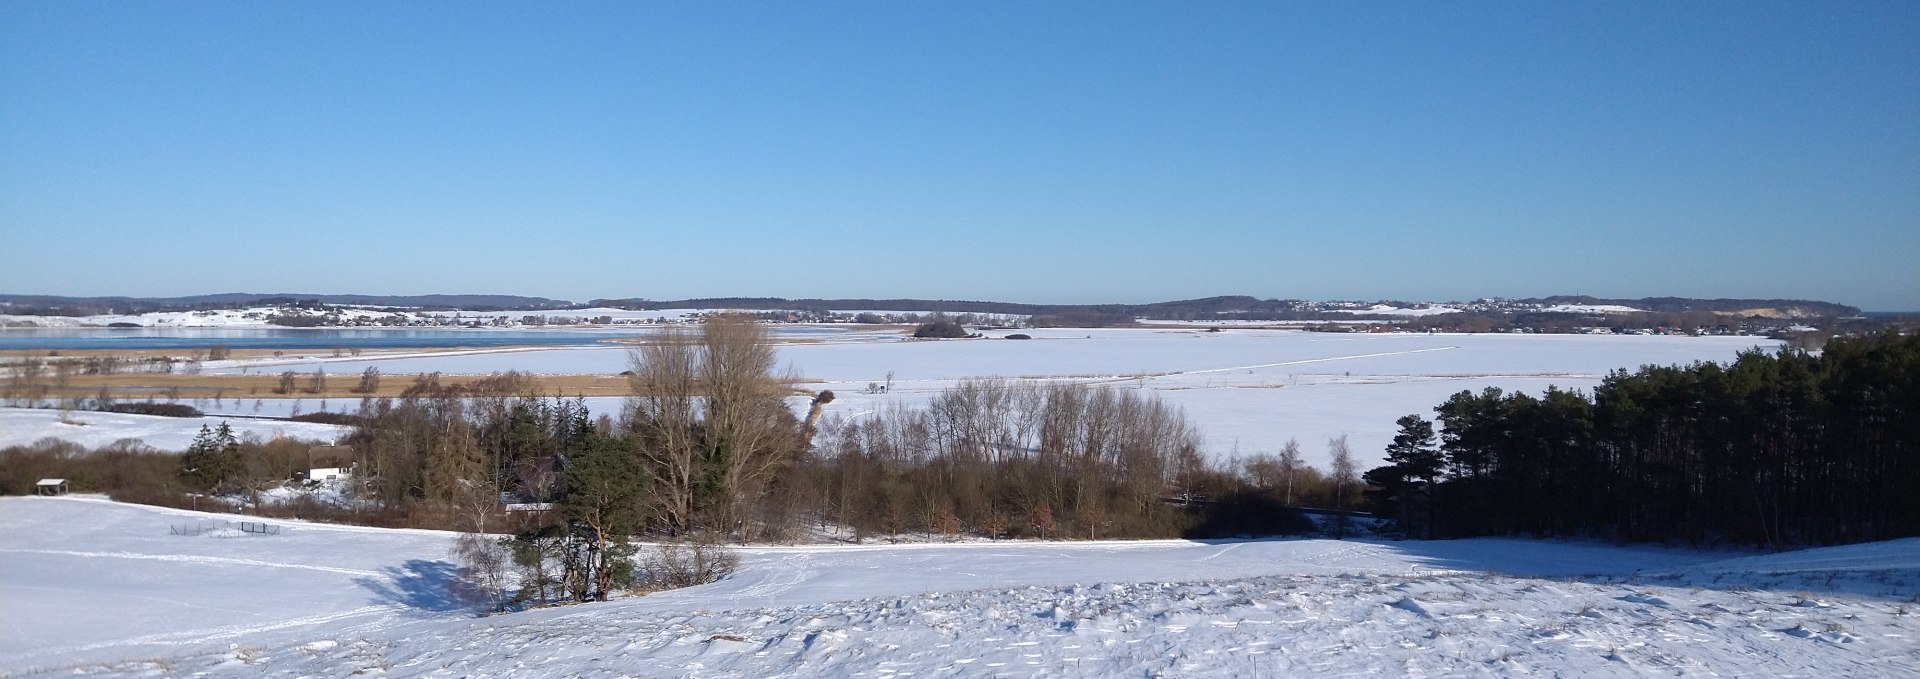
{"type": "Point", "coordinates": [603, 502]}
{"type": "Point", "coordinates": [1418, 461]}
{"type": "Point", "coordinates": [212, 459]}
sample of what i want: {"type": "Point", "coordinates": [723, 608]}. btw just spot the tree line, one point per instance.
{"type": "Point", "coordinates": [709, 446]}
{"type": "Point", "coordinates": [713, 445]}
{"type": "Point", "coordinates": [1771, 449]}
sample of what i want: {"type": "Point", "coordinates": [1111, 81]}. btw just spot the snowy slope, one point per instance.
{"type": "Point", "coordinates": [250, 317]}
{"type": "Point", "coordinates": [1390, 310]}
{"type": "Point", "coordinates": [22, 426]}
{"type": "Point", "coordinates": [100, 589]}
{"type": "Point", "coordinates": [85, 579]}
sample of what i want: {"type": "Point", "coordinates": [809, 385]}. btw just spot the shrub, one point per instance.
{"type": "Point", "coordinates": [160, 409]}
{"type": "Point", "coordinates": [673, 565]}
{"type": "Point", "coordinates": [326, 417]}
{"type": "Point", "coordinates": [940, 330]}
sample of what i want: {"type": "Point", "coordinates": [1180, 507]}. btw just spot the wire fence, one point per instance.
{"type": "Point", "coordinates": [224, 529]}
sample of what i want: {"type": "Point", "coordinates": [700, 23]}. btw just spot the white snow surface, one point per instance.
{"type": "Point", "coordinates": [96, 588]}
{"type": "Point", "coordinates": [250, 317]}
{"type": "Point", "coordinates": [1245, 390]}
{"type": "Point", "coordinates": [22, 426]}
{"type": "Point", "coordinates": [1390, 310]}
{"type": "Point", "coordinates": [1590, 309]}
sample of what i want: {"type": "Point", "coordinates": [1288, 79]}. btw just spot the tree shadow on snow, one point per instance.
{"type": "Point", "coordinates": [1603, 563]}
{"type": "Point", "coordinates": [418, 584]}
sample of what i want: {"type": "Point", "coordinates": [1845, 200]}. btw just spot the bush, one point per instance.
{"type": "Point", "coordinates": [672, 565]}
{"type": "Point", "coordinates": [326, 417]}
{"type": "Point", "coordinates": [298, 321]}
{"type": "Point", "coordinates": [940, 330]}
{"type": "Point", "coordinates": [160, 409]}
{"type": "Point", "coordinates": [1019, 336]}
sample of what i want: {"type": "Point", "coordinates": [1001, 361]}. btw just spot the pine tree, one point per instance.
{"type": "Point", "coordinates": [604, 496]}
{"type": "Point", "coordinates": [212, 459]}
{"type": "Point", "coordinates": [1414, 453]}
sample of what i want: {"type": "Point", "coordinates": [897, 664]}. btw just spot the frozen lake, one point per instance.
{"type": "Point", "coordinates": [344, 338]}
{"type": "Point", "coordinates": [1247, 390]}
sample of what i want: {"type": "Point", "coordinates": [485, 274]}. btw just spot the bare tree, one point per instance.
{"type": "Point", "coordinates": [63, 388]}
{"type": "Point", "coordinates": [1346, 475]}
{"type": "Point", "coordinates": [369, 381]}
{"type": "Point", "coordinates": [26, 385]}
{"type": "Point", "coordinates": [664, 376]}
{"type": "Point", "coordinates": [749, 433]}
{"type": "Point", "coordinates": [1290, 467]}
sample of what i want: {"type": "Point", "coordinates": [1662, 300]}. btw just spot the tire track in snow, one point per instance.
{"type": "Point", "coordinates": [1222, 552]}
{"type": "Point", "coordinates": [791, 571]}
{"type": "Point", "coordinates": [227, 632]}
{"type": "Point", "coordinates": [1309, 360]}
{"type": "Point", "coordinates": [1354, 357]}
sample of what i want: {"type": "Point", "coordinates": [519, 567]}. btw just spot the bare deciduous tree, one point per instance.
{"type": "Point", "coordinates": [665, 375]}
{"type": "Point", "coordinates": [369, 381]}
{"type": "Point", "coordinates": [1346, 477]}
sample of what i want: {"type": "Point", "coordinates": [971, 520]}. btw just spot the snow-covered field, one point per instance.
{"type": "Point", "coordinates": [97, 588]}
{"type": "Point", "coordinates": [249, 317]}
{"type": "Point", "coordinates": [1390, 310]}
{"type": "Point", "coordinates": [22, 426]}
{"type": "Point", "coordinates": [1246, 390]}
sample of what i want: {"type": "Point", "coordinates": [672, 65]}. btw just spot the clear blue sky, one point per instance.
{"type": "Point", "coordinates": [1018, 151]}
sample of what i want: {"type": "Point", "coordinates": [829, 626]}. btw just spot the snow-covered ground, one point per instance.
{"type": "Point", "coordinates": [1390, 310]}
{"type": "Point", "coordinates": [258, 317]}
{"type": "Point", "coordinates": [1589, 309]}
{"type": "Point", "coordinates": [249, 317]}
{"type": "Point", "coordinates": [1246, 390]}
{"type": "Point", "coordinates": [22, 426]}
{"type": "Point", "coordinates": [97, 588]}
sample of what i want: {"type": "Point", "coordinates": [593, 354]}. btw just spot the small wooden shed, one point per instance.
{"type": "Point", "coordinates": [51, 487]}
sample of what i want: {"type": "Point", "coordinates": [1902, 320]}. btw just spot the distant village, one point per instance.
{"type": "Point", "coordinates": [1800, 322]}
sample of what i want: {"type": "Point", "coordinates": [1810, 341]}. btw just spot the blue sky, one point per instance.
{"type": "Point", "coordinates": [1038, 152]}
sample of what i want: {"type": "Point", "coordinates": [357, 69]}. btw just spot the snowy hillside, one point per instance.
{"type": "Point", "coordinates": [109, 592]}
{"type": "Point", "coordinates": [1390, 310]}
{"type": "Point", "coordinates": [22, 426]}
{"type": "Point", "coordinates": [249, 317]}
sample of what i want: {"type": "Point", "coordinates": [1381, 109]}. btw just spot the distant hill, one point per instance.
{"type": "Point", "coordinates": [1245, 307]}
{"type": "Point", "coordinates": [1654, 311]}
{"type": "Point", "coordinates": [1241, 307]}
{"type": "Point", "coordinates": [1768, 308]}
{"type": "Point", "coordinates": [56, 305]}
{"type": "Point", "coordinates": [1208, 305]}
